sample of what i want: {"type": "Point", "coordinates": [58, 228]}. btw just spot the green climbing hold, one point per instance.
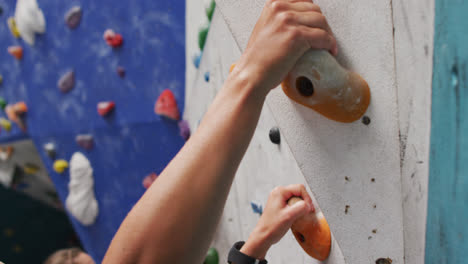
{"type": "Point", "coordinates": [202, 34]}
{"type": "Point", "coordinates": [212, 257]}
{"type": "Point", "coordinates": [210, 10]}
{"type": "Point", "coordinates": [3, 103]}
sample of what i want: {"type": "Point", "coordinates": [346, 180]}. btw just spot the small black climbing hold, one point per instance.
{"type": "Point", "coordinates": [275, 136]}
{"type": "Point", "coordinates": [1, 11]}
{"type": "Point", "coordinates": [384, 261]}
{"type": "Point", "coordinates": [366, 120]}
{"type": "Point", "coordinates": [305, 86]}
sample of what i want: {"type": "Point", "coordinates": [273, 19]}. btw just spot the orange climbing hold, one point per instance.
{"type": "Point", "coordinates": [317, 81]}
{"type": "Point", "coordinates": [16, 51]}
{"type": "Point", "coordinates": [20, 108]}
{"type": "Point", "coordinates": [166, 105]}
{"type": "Point", "coordinates": [313, 233]}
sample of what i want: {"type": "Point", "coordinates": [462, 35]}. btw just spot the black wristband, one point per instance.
{"type": "Point", "coordinates": [237, 257]}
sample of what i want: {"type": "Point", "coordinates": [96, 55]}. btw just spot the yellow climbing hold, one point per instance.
{"type": "Point", "coordinates": [60, 166]}
{"type": "Point", "coordinates": [30, 168]}
{"type": "Point", "coordinates": [12, 26]}
{"type": "Point", "coordinates": [5, 124]}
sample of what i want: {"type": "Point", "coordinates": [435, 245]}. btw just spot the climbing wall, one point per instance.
{"type": "Point", "coordinates": [129, 143]}
{"type": "Point", "coordinates": [379, 171]}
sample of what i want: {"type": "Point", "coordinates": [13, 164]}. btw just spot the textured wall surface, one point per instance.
{"type": "Point", "coordinates": [327, 151]}
{"type": "Point", "coordinates": [447, 233]}
{"type": "Point", "coordinates": [414, 29]}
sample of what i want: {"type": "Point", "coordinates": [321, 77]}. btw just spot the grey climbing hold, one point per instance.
{"type": "Point", "coordinates": [67, 82]}
{"type": "Point", "coordinates": [73, 17]}
{"type": "Point", "coordinates": [49, 149]}
{"type": "Point", "coordinates": [85, 141]}
{"type": "Point", "coordinates": [275, 135]}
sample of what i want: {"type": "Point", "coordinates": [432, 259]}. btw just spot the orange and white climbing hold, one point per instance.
{"type": "Point", "coordinates": [317, 81]}
{"type": "Point", "coordinates": [312, 233]}
{"type": "Point", "coordinates": [16, 51]}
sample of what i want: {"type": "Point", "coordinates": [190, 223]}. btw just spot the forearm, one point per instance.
{"type": "Point", "coordinates": [176, 218]}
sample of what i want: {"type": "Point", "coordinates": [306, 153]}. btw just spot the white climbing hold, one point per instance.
{"type": "Point", "coordinates": [29, 20]}
{"type": "Point", "coordinates": [81, 202]}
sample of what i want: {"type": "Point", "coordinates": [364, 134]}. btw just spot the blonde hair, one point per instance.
{"type": "Point", "coordinates": [63, 256]}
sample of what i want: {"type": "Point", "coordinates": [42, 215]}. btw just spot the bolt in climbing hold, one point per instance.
{"type": "Point", "coordinates": [5, 124]}
{"type": "Point", "coordinates": [166, 105]}
{"type": "Point", "coordinates": [85, 141]}
{"type": "Point", "coordinates": [49, 149]}
{"type": "Point", "coordinates": [212, 257]}
{"type": "Point", "coordinates": [30, 168]}
{"type": "Point", "coordinates": [113, 39]}
{"type": "Point", "coordinates": [202, 34]}
{"type": "Point", "coordinates": [3, 103]}
{"type": "Point", "coordinates": [73, 17]}
{"type": "Point", "coordinates": [60, 166]}
{"type": "Point", "coordinates": [105, 108]}
{"type": "Point", "coordinates": [210, 10]}
{"type": "Point", "coordinates": [275, 135]}
{"type": "Point", "coordinates": [121, 71]}
{"type": "Point", "coordinates": [149, 179]}
{"type": "Point", "coordinates": [207, 76]}
{"type": "Point", "coordinates": [66, 82]}
{"type": "Point", "coordinates": [13, 28]}
{"type": "Point", "coordinates": [184, 129]}
{"type": "Point", "coordinates": [16, 51]}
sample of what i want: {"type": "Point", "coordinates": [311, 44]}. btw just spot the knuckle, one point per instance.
{"type": "Point", "coordinates": [276, 6]}
{"type": "Point", "coordinates": [276, 191]}
{"type": "Point", "coordinates": [286, 17]}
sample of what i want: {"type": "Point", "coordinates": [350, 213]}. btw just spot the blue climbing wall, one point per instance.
{"type": "Point", "coordinates": [447, 232]}
{"type": "Point", "coordinates": [130, 143]}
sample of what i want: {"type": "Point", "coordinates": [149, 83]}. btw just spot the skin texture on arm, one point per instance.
{"type": "Point", "coordinates": [176, 218]}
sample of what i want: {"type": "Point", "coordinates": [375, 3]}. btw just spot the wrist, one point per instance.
{"type": "Point", "coordinates": [256, 246]}
{"type": "Point", "coordinates": [245, 77]}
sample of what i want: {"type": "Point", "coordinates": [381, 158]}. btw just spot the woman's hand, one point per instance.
{"type": "Point", "coordinates": [277, 218]}
{"type": "Point", "coordinates": [285, 30]}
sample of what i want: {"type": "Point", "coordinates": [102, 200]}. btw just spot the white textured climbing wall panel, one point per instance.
{"type": "Point", "coordinates": [327, 152]}
{"type": "Point", "coordinates": [265, 165]}
{"type": "Point", "coordinates": [414, 34]}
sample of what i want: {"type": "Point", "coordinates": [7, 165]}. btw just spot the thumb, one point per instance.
{"type": "Point", "coordinates": [297, 210]}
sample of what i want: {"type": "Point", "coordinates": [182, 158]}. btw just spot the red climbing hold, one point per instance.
{"type": "Point", "coordinates": [104, 108]}
{"type": "Point", "coordinates": [113, 39]}
{"type": "Point", "coordinates": [166, 105]}
{"type": "Point", "coordinates": [149, 179]}
{"type": "Point", "coordinates": [16, 51]}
